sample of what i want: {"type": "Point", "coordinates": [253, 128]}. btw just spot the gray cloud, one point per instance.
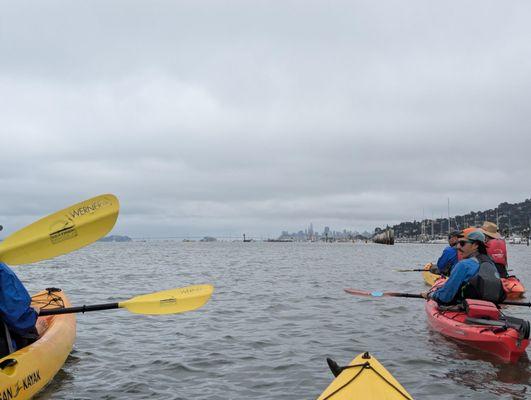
{"type": "Point", "coordinates": [228, 117]}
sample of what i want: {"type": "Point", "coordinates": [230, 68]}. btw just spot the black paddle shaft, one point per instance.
{"type": "Point", "coordinates": [410, 295]}
{"type": "Point", "coordinates": [415, 270]}
{"type": "Point", "coordinates": [516, 303]}
{"type": "Point", "coordinates": [418, 296]}
{"type": "Point", "coordinates": [81, 309]}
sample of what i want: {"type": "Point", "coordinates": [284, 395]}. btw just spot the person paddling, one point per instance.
{"type": "Point", "coordinates": [474, 277]}
{"type": "Point", "coordinates": [496, 247]}
{"type": "Point", "coordinates": [17, 317]}
{"type": "Point", "coordinates": [448, 258]}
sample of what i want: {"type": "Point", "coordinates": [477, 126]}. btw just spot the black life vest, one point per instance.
{"type": "Point", "coordinates": [486, 284]}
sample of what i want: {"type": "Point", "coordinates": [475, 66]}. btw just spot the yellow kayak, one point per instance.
{"type": "Point", "coordinates": [26, 371]}
{"type": "Point", "coordinates": [364, 379]}
{"type": "Point", "coordinates": [429, 277]}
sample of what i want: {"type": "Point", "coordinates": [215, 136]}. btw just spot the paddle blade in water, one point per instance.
{"type": "Point", "coordinates": [356, 292]}
{"type": "Point", "coordinates": [171, 301]}
{"type": "Point", "coordinates": [359, 292]}
{"type": "Point", "coordinates": [62, 232]}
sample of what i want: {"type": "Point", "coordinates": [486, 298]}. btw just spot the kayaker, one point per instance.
{"type": "Point", "coordinates": [496, 247]}
{"type": "Point", "coordinates": [448, 258]}
{"type": "Point", "coordinates": [475, 276]}
{"type": "Point", "coordinates": [17, 317]}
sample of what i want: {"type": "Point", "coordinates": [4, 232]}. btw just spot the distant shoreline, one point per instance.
{"type": "Point", "coordinates": [116, 238]}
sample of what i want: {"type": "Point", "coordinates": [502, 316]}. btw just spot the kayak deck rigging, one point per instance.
{"type": "Point", "coordinates": [363, 378]}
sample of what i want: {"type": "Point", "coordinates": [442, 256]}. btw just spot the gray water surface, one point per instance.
{"type": "Point", "coordinates": [277, 312]}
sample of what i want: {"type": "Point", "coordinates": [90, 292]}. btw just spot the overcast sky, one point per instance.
{"type": "Point", "coordinates": [231, 117]}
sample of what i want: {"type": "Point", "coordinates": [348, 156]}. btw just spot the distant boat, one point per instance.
{"type": "Point", "coordinates": [516, 240]}
{"type": "Point", "coordinates": [438, 241]}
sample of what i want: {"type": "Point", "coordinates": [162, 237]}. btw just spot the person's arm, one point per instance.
{"type": "Point", "coordinates": [15, 304]}
{"type": "Point", "coordinates": [447, 292]}
{"type": "Point", "coordinates": [444, 259]}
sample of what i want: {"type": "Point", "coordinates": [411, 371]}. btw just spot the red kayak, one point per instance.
{"type": "Point", "coordinates": [481, 325]}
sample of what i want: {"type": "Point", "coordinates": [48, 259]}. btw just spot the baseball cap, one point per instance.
{"type": "Point", "coordinates": [473, 235]}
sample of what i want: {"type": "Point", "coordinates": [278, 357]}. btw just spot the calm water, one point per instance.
{"type": "Point", "coordinates": [278, 311]}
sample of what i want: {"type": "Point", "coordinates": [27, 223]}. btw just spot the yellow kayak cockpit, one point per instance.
{"type": "Point", "coordinates": [26, 371]}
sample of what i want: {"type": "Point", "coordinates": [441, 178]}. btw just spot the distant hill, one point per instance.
{"type": "Point", "coordinates": [116, 238]}
{"type": "Point", "coordinates": [512, 219]}
{"type": "Point", "coordinates": [208, 239]}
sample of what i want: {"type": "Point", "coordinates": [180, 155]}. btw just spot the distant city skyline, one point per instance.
{"type": "Point", "coordinates": [521, 217]}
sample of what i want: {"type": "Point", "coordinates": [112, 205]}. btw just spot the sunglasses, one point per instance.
{"type": "Point", "coordinates": [463, 242]}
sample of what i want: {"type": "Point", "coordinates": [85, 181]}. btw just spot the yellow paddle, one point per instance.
{"type": "Point", "coordinates": [62, 232]}
{"type": "Point", "coordinates": [172, 301]}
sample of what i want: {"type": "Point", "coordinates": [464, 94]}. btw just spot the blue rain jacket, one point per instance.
{"type": "Point", "coordinates": [15, 302]}
{"type": "Point", "coordinates": [461, 274]}
{"type": "Point", "coordinates": [447, 260]}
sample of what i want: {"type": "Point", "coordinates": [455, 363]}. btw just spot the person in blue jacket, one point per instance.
{"type": "Point", "coordinates": [17, 317]}
{"type": "Point", "coordinates": [448, 258]}
{"type": "Point", "coordinates": [475, 276]}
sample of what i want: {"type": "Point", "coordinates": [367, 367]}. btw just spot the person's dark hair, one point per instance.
{"type": "Point", "coordinates": [482, 249]}
{"type": "Point", "coordinates": [454, 234]}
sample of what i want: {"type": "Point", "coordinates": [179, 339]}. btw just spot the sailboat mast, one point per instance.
{"type": "Point", "coordinates": [449, 224]}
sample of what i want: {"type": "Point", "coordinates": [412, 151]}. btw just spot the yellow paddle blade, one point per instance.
{"type": "Point", "coordinates": [171, 301]}
{"type": "Point", "coordinates": [62, 232]}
